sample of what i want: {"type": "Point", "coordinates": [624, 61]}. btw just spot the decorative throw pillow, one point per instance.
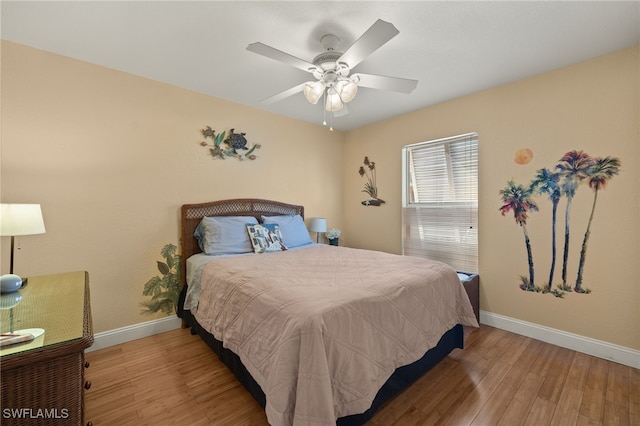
{"type": "Point", "coordinates": [294, 231]}
{"type": "Point", "coordinates": [224, 234]}
{"type": "Point", "coordinates": [266, 238]}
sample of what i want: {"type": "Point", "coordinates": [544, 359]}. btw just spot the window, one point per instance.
{"type": "Point", "coordinates": [440, 201]}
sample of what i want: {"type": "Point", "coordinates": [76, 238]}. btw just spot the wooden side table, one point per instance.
{"type": "Point", "coordinates": [42, 382]}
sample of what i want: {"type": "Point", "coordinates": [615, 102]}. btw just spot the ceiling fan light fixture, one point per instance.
{"type": "Point", "coordinates": [346, 89]}
{"type": "Point", "coordinates": [313, 91]}
{"type": "Point", "coordinates": [334, 103]}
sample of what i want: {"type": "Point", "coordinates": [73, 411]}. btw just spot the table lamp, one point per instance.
{"type": "Point", "coordinates": [17, 220]}
{"type": "Point", "coordinates": [318, 225]}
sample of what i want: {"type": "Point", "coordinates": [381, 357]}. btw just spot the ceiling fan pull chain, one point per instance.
{"type": "Point", "coordinates": [324, 111]}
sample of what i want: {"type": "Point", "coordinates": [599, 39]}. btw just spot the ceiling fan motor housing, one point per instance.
{"type": "Point", "coordinates": [327, 62]}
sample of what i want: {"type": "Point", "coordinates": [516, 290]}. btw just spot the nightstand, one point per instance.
{"type": "Point", "coordinates": [472, 287]}
{"type": "Point", "coordinates": [43, 381]}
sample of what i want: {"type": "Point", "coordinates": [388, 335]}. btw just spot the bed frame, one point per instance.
{"type": "Point", "coordinates": [192, 214]}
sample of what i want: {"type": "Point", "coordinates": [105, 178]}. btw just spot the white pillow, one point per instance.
{"type": "Point", "coordinates": [294, 231]}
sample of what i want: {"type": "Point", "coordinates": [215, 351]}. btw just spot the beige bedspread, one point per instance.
{"type": "Point", "coordinates": [322, 328]}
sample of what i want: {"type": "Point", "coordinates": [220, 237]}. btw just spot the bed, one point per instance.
{"type": "Point", "coordinates": [317, 334]}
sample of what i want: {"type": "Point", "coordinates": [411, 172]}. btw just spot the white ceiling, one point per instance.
{"type": "Point", "coordinates": [452, 48]}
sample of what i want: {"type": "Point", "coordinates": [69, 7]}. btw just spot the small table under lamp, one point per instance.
{"type": "Point", "coordinates": [318, 225]}
{"type": "Point", "coordinates": [17, 220]}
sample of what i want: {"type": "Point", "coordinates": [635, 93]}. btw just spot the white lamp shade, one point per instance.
{"type": "Point", "coordinates": [21, 219]}
{"type": "Point", "coordinates": [313, 91]}
{"type": "Point", "coordinates": [347, 90]}
{"type": "Point", "coordinates": [318, 224]}
{"type": "Point", "coordinates": [334, 103]}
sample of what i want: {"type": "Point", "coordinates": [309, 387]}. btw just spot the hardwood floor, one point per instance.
{"type": "Point", "coordinates": [500, 378]}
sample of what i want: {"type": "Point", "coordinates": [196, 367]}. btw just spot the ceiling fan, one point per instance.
{"type": "Point", "coordinates": [331, 69]}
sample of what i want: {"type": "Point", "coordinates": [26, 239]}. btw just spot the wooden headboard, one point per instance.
{"type": "Point", "coordinates": [192, 214]}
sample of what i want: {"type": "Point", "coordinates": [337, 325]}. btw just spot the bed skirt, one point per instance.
{"type": "Point", "coordinates": [399, 380]}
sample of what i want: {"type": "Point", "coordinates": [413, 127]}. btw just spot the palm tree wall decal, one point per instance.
{"type": "Point", "coordinates": [517, 198]}
{"type": "Point", "coordinates": [599, 172]}
{"type": "Point", "coordinates": [573, 166]}
{"type": "Point", "coordinates": [547, 182]}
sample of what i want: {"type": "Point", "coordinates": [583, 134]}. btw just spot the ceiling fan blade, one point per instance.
{"type": "Point", "coordinates": [279, 55]}
{"type": "Point", "coordinates": [372, 39]}
{"type": "Point", "coordinates": [282, 95]}
{"type": "Point", "coordinates": [394, 84]}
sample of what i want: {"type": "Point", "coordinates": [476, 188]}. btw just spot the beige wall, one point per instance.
{"type": "Point", "coordinates": [111, 157]}
{"type": "Point", "coordinates": [591, 106]}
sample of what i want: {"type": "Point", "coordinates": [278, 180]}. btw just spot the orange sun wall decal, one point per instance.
{"type": "Point", "coordinates": [523, 156]}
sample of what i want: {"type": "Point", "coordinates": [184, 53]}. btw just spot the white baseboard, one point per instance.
{"type": "Point", "coordinates": [597, 348]}
{"type": "Point", "coordinates": [133, 332]}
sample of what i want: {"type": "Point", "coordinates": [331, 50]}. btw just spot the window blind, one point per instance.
{"type": "Point", "coordinates": [440, 201]}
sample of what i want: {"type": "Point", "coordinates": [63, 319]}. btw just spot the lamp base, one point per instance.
{"type": "Point", "coordinates": [10, 283]}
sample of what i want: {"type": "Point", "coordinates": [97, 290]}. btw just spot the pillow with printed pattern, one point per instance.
{"type": "Point", "coordinates": [266, 238]}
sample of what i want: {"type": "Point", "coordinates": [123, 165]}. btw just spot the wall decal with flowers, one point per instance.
{"type": "Point", "coordinates": [370, 187]}
{"type": "Point", "coordinates": [557, 183]}
{"type": "Point", "coordinates": [223, 148]}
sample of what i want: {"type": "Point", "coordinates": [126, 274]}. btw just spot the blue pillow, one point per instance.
{"type": "Point", "coordinates": [294, 231]}
{"type": "Point", "coordinates": [224, 234]}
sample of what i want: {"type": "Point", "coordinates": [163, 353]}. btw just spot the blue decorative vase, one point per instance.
{"type": "Point", "coordinates": [333, 241]}
{"type": "Point", "coordinates": [10, 283]}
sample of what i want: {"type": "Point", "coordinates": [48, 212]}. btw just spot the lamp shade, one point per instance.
{"type": "Point", "coordinates": [334, 103]}
{"type": "Point", "coordinates": [318, 224]}
{"type": "Point", "coordinates": [347, 90]}
{"type": "Point", "coordinates": [21, 219]}
{"type": "Point", "coordinates": [313, 91]}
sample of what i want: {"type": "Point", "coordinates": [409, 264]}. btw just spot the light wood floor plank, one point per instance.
{"type": "Point", "coordinates": [592, 405]}
{"type": "Point", "coordinates": [464, 412]}
{"type": "Point", "coordinates": [541, 412]}
{"type": "Point", "coordinates": [497, 403]}
{"type": "Point", "coordinates": [618, 384]}
{"type": "Point", "coordinates": [579, 370]}
{"type": "Point", "coordinates": [500, 378]}
{"type": "Point", "coordinates": [634, 397]}
{"type": "Point", "coordinates": [586, 421]}
{"type": "Point", "coordinates": [568, 407]}
{"type": "Point", "coordinates": [555, 379]}
{"type": "Point", "coordinates": [520, 405]}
